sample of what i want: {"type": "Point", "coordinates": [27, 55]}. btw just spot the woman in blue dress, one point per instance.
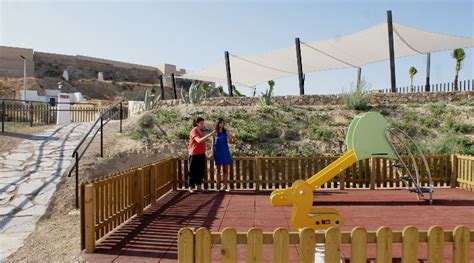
{"type": "Point", "coordinates": [221, 154]}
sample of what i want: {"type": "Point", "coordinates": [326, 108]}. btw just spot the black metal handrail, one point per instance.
{"type": "Point", "coordinates": [77, 156]}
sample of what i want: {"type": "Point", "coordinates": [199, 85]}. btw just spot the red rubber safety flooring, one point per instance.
{"type": "Point", "coordinates": [153, 236]}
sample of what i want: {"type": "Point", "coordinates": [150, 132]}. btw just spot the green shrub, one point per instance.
{"type": "Point", "coordinates": [257, 131]}
{"type": "Point", "coordinates": [165, 116]}
{"type": "Point", "coordinates": [357, 99]}
{"type": "Point", "coordinates": [450, 143]}
{"type": "Point", "coordinates": [146, 122]}
{"type": "Point", "coordinates": [182, 132]}
{"type": "Point", "coordinates": [452, 125]}
{"type": "Point", "coordinates": [137, 134]}
{"type": "Point", "coordinates": [320, 133]}
{"type": "Point", "coordinates": [437, 109]}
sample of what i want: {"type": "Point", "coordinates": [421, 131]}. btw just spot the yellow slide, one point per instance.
{"type": "Point", "coordinates": [366, 138]}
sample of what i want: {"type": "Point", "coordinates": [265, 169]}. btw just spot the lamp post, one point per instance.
{"type": "Point", "coordinates": [24, 77]}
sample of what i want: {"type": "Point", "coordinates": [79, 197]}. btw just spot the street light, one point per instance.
{"type": "Point", "coordinates": [24, 77]}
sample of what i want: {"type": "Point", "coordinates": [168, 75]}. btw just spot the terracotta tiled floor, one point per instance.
{"type": "Point", "coordinates": [152, 237]}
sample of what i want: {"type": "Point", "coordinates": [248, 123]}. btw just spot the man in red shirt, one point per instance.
{"type": "Point", "coordinates": [197, 154]}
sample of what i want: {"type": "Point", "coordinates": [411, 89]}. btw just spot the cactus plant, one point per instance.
{"type": "Point", "coordinates": [195, 95]}
{"type": "Point", "coordinates": [151, 100]}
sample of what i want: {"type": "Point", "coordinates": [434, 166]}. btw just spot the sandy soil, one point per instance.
{"type": "Point", "coordinates": [61, 221]}
{"type": "Point", "coordinates": [15, 133]}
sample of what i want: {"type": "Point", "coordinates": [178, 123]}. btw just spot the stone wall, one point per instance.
{"type": "Point", "coordinates": [375, 99]}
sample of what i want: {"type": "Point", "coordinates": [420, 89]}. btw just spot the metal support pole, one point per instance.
{"type": "Point", "coordinates": [77, 179]}
{"type": "Point", "coordinates": [428, 64]}
{"type": "Point", "coordinates": [391, 51]}
{"type": "Point", "coordinates": [229, 75]}
{"type": "Point", "coordinates": [24, 77]}
{"type": "Point", "coordinates": [300, 65]}
{"type": "Point", "coordinates": [359, 71]}
{"type": "Point", "coordinates": [101, 137]}
{"type": "Point", "coordinates": [174, 86]}
{"type": "Point", "coordinates": [121, 116]}
{"type": "Point", "coordinates": [31, 114]}
{"type": "Point", "coordinates": [3, 116]}
{"type": "Point", "coordinates": [162, 87]}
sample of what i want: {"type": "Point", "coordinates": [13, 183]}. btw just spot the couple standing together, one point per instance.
{"type": "Point", "coordinates": [220, 153]}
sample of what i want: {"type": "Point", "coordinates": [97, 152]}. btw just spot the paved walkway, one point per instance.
{"type": "Point", "coordinates": [28, 178]}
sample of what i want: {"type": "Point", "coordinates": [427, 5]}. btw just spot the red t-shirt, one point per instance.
{"type": "Point", "coordinates": [194, 147]}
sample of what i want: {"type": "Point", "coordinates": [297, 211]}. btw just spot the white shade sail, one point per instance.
{"type": "Point", "coordinates": [350, 51]}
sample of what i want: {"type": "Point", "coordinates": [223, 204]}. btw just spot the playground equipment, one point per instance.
{"type": "Point", "coordinates": [369, 135]}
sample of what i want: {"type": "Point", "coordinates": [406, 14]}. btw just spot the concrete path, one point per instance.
{"type": "Point", "coordinates": [28, 178]}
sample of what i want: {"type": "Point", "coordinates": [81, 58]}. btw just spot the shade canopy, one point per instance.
{"type": "Point", "coordinates": [350, 51]}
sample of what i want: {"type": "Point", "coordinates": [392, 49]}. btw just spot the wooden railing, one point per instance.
{"type": "Point", "coordinates": [108, 202]}
{"type": "Point", "coordinates": [464, 171]}
{"type": "Point", "coordinates": [196, 246]}
{"type": "Point", "coordinates": [269, 173]}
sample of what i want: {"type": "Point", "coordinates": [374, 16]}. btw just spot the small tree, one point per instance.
{"type": "Point", "coordinates": [412, 72]}
{"type": "Point", "coordinates": [266, 98]}
{"type": "Point", "coordinates": [459, 56]}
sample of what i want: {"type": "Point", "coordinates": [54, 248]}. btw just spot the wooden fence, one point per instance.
{"type": "Point", "coordinates": [197, 246]}
{"type": "Point", "coordinates": [463, 85]}
{"type": "Point", "coordinates": [464, 171]}
{"type": "Point", "coordinates": [42, 113]}
{"type": "Point", "coordinates": [270, 173]}
{"type": "Point", "coordinates": [108, 202]}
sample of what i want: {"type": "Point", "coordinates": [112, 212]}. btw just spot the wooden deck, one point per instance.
{"type": "Point", "coordinates": [152, 237]}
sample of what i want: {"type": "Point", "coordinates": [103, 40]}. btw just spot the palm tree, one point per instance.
{"type": "Point", "coordinates": [412, 72]}
{"type": "Point", "coordinates": [459, 56]}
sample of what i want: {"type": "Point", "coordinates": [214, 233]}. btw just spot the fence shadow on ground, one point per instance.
{"type": "Point", "coordinates": [154, 234]}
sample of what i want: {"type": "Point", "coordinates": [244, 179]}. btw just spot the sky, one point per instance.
{"type": "Point", "coordinates": [194, 34]}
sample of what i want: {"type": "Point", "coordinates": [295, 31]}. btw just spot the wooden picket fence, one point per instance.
{"type": "Point", "coordinates": [196, 246]}
{"type": "Point", "coordinates": [43, 113]}
{"type": "Point", "coordinates": [108, 202]}
{"type": "Point", "coordinates": [270, 173]}
{"type": "Point", "coordinates": [464, 171]}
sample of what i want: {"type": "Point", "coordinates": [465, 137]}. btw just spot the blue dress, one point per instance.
{"type": "Point", "coordinates": [221, 149]}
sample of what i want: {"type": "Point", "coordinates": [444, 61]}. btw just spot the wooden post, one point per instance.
{"type": "Point", "coordinates": [300, 65]}
{"type": "Point", "coordinates": [307, 244]}
{"type": "Point", "coordinates": [185, 245]}
{"type": "Point", "coordinates": [435, 244]}
{"type": "Point", "coordinates": [461, 237]}
{"type": "Point", "coordinates": [373, 172]}
{"type": "Point", "coordinates": [255, 245]}
{"type": "Point", "coordinates": [153, 185]}
{"type": "Point", "coordinates": [333, 245]}
{"type": "Point", "coordinates": [202, 245]}
{"type": "Point", "coordinates": [229, 75]}
{"type": "Point", "coordinates": [139, 191]}
{"type": "Point", "coordinates": [175, 173]}
{"type": "Point", "coordinates": [359, 245]}
{"type": "Point", "coordinates": [258, 173]}
{"type": "Point", "coordinates": [391, 51]}
{"type": "Point", "coordinates": [384, 245]}
{"type": "Point", "coordinates": [89, 202]}
{"type": "Point", "coordinates": [228, 245]}
{"type": "Point", "coordinates": [454, 170]}
{"type": "Point", "coordinates": [410, 238]}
